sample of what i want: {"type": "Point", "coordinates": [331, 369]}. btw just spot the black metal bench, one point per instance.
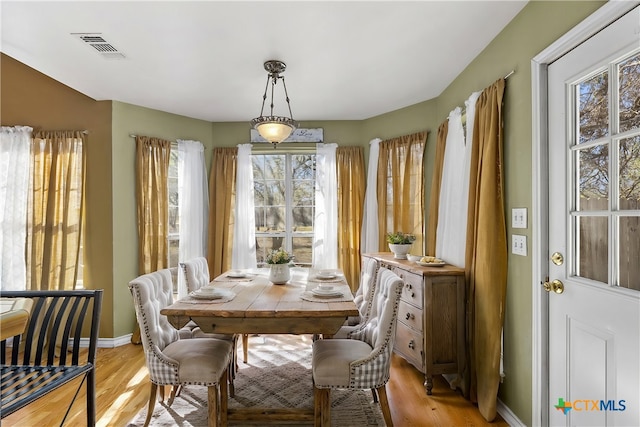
{"type": "Point", "coordinates": [48, 354]}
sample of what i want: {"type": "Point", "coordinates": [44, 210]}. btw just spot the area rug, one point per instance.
{"type": "Point", "coordinates": [277, 375]}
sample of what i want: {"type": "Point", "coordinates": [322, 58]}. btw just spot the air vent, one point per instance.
{"type": "Point", "coordinates": [97, 42]}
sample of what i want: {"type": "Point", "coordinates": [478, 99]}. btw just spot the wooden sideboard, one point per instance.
{"type": "Point", "coordinates": [431, 321]}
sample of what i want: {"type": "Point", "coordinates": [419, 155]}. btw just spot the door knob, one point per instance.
{"type": "Point", "coordinates": [557, 258]}
{"type": "Point", "coordinates": [556, 286]}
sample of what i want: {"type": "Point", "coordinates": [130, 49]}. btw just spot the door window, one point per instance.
{"type": "Point", "coordinates": [605, 216]}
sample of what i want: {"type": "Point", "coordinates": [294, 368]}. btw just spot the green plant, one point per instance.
{"type": "Point", "coordinates": [279, 256]}
{"type": "Point", "coordinates": [400, 238]}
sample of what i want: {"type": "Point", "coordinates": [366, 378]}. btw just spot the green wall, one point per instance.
{"type": "Point", "coordinates": [129, 120]}
{"type": "Point", "coordinates": [112, 256]}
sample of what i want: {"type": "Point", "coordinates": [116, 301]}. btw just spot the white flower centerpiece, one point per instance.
{"type": "Point", "coordinates": [279, 261]}
{"type": "Point", "coordinates": [400, 243]}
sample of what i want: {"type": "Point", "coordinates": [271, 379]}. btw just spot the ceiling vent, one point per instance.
{"type": "Point", "coordinates": [97, 42]}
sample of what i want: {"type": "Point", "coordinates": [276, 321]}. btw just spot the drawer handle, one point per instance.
{"type": "Point", "coordinates": [410, 316]}
{"type": "Point", "coordinates": [411, 345]}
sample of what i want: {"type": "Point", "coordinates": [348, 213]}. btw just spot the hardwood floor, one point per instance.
{"type": "Point", "coordinates": [123, 387]}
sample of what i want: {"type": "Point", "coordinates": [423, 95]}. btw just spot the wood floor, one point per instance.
{"type": "Point", "coordinates": [123, 387]}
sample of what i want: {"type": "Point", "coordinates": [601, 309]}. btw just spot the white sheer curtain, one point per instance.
{"type": "Point", "coordinates": [15, 152]}
{"type": "Point", "coordinates": [243, 254]}
{"type": "Point", "coordinates": [451, 236]}
{"type": "Point", "coordinates": [193, 205]}
{"type": "Point", "coordinates": [325, 224]}
{"type": "Point", "coordinates": [369, 236]}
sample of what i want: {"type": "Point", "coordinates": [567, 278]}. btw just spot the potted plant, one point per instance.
{"type": "Point", "coordinates": [279, 260]}
{"type": "Point", "coordinates": [400, 243]}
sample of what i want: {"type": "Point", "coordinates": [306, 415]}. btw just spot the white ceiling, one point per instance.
{"type": "Point", "coordinates": [345, 60]}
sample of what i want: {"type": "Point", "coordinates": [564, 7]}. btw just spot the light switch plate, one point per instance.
{"type": "Point", "coordinates": [519, 218]}
{"type": "Point", "coordinates": [519, 244]}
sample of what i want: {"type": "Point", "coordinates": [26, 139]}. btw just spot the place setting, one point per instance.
{"type": "Point", "coordinates": [236, 276]}
{"type": "Point", "coordinates": [328, 291]}
{"type": "Point", "coordinates": [210, 294]}
{"type": "Point", "coordinates": [325, 276]}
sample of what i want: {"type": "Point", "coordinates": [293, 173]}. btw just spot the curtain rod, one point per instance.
{"type": "Point", "coordinates": [463, 109]}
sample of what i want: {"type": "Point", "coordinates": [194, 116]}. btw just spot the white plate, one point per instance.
{"type": "Point", "coordinates": [236, 274]}
{"type": "Point", "coordinates": [326, 294]}
{"type": "Point", "coordinates": [431, 264]}
{"type": "Point", "coordinates": [198, 295]}
{"type": "Point", "coordinates": [209, 293]}
{"type": "Point", "coordinates": [325, 276]}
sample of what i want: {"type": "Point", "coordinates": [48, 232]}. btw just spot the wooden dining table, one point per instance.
{"type": "Point", "coordinates": [261, 307]}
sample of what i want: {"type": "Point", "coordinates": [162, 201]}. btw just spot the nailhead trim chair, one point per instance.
{"type": "Point", "coordinates": [174, 361]}
{"type": "Point", "coordinates": [362, 362]}
{"type": "Point", "coordinates": [363, 297]}
{"type": "Point", "coordinates": [196, 273]}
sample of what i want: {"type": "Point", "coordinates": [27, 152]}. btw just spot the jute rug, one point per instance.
{"type": "Point", "coordinates": [278, 375]}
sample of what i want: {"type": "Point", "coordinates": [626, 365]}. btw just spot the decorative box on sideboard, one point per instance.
{"type": "Point", "coordinates": [431, 322]}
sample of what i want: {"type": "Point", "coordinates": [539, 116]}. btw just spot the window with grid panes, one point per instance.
{"type": "Point", "coordinates": [284, 199]}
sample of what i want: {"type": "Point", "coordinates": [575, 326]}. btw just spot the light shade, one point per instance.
{"type": "Point", "coordinates": [274, 129]}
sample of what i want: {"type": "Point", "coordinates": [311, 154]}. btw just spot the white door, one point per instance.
{"type": "Point", "coordinates": [594, 230]}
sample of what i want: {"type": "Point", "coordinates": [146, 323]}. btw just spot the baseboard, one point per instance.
{"type": "Point", "coordinates": [108, 342]}
{"type": "Point", "coordinates": [507, 415]}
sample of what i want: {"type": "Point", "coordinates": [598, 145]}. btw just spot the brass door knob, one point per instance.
{"type": "Point", "coordinates": [557, 258]}
{"type": "Point", "coordinates": [556, 286]}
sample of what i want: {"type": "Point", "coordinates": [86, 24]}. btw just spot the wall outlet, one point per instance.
{"type": "Point", "coordinates": [519, 218]}
{"type": "Point", "coordinates": [519, 245]}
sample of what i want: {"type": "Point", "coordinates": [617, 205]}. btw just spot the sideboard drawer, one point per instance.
{"type": "Point", "coordinates": [412, 292]}
{"type": "Point", "coordinates": [410, 316]}
{"type": "Point", "coordinates": [409, 344]}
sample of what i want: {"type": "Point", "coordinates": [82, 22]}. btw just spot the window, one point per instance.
{"type": "Point", "coordinates": [284, 199]}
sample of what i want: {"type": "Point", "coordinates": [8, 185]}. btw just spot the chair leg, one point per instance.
{"type": "Point", "coordinates": [224, 400]}
{"type": "Point", "coordinates": [245, 347]}
{"type": "Point", "coordinates": [321, 407]}
{"type": "Point", "coordinates": [91, 398]}
{"type": "Point", "coordinates": [172, 395]}
{"type": "Point", "coordinates": [212, 405]}
{"type": "Point", "coordinates": [230, 377]}
{"type": "Point", "coordinates": [375, 395]}
{"type": "Point", "coordinates": [235, 355]}
{"type": "Point", "coordinates": [152, 403]}
{"type": "Point", "coordinates": [384, 405]}
{"type": "Point", "coordinates": [316, 407]}
{"type": "Point", "coordinates": [161, 394]}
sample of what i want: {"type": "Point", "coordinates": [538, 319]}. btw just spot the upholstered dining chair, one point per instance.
{"type": "Point", "coordinates": [174, 361]}
{"type": "Point", "coordinates": [196, 273]}
{"type": "Point", "coordinates": [363, 297]}
{"type": "Point", "coordinates": [364, 360]}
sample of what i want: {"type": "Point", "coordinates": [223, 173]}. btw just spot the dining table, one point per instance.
{"type": "Point", "coordinates": [251, 304]}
